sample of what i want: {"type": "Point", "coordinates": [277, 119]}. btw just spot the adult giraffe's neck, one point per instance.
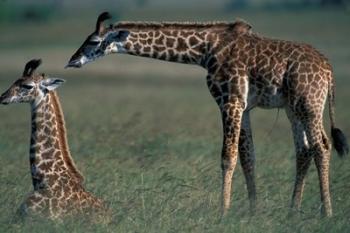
{"type": "Point", "coordinates": [183, 43]}
{"type": "Point", "coordinates": [50, 158]}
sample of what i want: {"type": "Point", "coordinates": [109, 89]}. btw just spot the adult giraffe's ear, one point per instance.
{"type": "Point", "coordinates": [242, 26]}
{"type": "Point", "coordinates": [101, 18]}
{"type": "Point", "coordinates": [31, 67]}
{"type": "Point", "coordinates": [121, 35]}
{"type": "Point", "coordinates": [50, 84]}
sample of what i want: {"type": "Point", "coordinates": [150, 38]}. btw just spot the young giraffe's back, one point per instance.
{"type": "Point", "coordinates": [58, 189]}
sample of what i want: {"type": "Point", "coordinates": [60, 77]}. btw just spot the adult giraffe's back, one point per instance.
{"type": "Point", "coordinates": [245, 70]}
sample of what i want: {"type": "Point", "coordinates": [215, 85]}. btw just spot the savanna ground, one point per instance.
{"type": "Point", "coordinates": [147, 134]}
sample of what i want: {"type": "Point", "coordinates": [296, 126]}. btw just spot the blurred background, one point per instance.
{"type": "Point", "coordinates": [147, 134]}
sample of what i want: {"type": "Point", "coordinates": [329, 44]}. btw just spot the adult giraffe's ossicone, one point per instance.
{"type": "Point", "coordinates": [245, 70]}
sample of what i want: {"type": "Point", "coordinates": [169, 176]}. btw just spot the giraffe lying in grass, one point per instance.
{"type": "Point", "coordinates": [58, 185]}
{"type": "Point", "coordinates": [245, 70]}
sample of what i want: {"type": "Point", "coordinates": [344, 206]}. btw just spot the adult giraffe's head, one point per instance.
{"type": "Point", "coordinates": [103, 41]}
{"type": "Point", "coordinates": [31, 87]}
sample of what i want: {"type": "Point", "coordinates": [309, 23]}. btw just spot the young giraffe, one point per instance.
{"type": "Point", "coordinates": [245, 70]}
{"type": "Point", "coordinates": [58, 189]}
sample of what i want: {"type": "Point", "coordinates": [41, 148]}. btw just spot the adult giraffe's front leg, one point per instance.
{"type": "Point", "coordinates": [303, 158]}
{"type": "Point", "coordinates": [231, 93]}
{"type": "Point", "coordinates": [231, 117]}
{"type": "Point", "coordinates": [247, 159]}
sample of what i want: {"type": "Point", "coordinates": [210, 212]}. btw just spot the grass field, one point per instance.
{"type": "Point", "coordinates": [147, 134]}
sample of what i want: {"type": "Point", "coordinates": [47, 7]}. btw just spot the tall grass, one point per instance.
{"type": "Point", "coordinates": [148, 140]}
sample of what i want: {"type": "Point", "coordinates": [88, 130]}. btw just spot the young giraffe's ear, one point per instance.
{"type": "Point", "coordinates": [50, 84]}
{"type": "Point", "coordinates": [31, 67]}
{"type": "Point", "coordinates": [101, 18]}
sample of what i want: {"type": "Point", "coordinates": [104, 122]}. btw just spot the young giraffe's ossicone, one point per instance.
{"type": "Point", "coordinates": [245, 70]}
{"type": "Point", "coordinates": [58, 184]}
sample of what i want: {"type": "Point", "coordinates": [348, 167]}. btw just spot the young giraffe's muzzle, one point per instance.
{"type": "Point", "coordinates": [4, 98]}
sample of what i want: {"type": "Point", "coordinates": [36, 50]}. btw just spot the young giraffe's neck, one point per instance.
{"type": "Point", "coordinates": [183, 43]}
{"type": "Point", "coordinates": [50, 158]}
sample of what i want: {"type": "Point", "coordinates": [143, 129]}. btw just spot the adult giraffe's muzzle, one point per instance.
{"type": "Point", "coordinates": [74, 64]}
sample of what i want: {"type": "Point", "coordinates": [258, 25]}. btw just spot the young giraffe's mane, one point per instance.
{"type": "Point", "coordinates": [63, 137]}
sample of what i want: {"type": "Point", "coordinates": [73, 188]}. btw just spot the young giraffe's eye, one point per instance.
{"type": "Point", "coordinates": [26, 86]}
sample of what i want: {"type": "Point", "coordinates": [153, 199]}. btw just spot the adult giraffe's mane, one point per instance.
{"type": "Point", "coordinates": [63, 137]}
{"type": "Point", "coordinates": [181, 25]}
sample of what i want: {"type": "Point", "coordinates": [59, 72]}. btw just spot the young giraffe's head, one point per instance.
{"type": "Point", "coordinates": [31, 87]}
{"type": "Point", "coordinates": [103, 41]}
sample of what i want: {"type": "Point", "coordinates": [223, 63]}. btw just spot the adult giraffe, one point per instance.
{"type": "Point", "coordinates": [245, 70]}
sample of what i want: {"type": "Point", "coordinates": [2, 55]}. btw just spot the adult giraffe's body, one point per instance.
{"type": "Point", "coordinates": [58, 184]}
{"type": "Point", "coordinates": [245, 70]}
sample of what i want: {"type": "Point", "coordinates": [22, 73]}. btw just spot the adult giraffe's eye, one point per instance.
{"type": "Point", "coordinates": [94, 42]}
{"type": "Point", "coordinates": [26, 86]}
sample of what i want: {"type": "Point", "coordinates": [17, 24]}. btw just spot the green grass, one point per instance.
{"type": "Point", "coordinates": [147, 137]}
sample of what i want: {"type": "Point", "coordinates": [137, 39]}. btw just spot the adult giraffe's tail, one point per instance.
{"type": "Point", "coordinates": [339, 140]}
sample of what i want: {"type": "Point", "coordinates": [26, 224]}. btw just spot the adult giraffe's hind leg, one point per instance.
{"type": "Point", "coordinates": [231, 117]}
{"type": "Point", "coordinates": [247, 159]}
{"type": "Point", "coordinates": [319, 149]}
{"type": "Point", "coordinates": [321, 152]}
